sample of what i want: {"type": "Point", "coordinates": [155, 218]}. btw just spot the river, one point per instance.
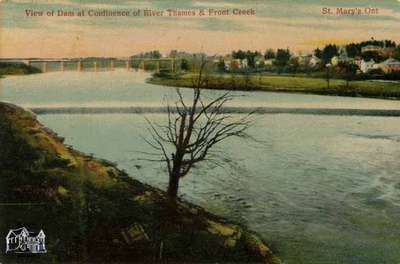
{"type": "Point", "coordinates": [318, 188]}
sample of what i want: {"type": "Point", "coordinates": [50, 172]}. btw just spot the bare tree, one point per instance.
{"type": "Point", "coordinates": [193, 130]}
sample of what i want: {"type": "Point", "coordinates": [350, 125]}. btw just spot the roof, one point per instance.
{"type": "Point", "coordinates": [17, 232]}
{"type": "Point", "coordinates": [391, 61]}
{"type": "Point", "coordinates": [371, 47]}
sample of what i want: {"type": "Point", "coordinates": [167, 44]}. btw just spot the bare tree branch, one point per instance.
{"type": "Point", "coordinates": [193, 131]}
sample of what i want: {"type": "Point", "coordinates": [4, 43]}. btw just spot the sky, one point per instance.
{"type": "Point", "coordinates": [294, 24]}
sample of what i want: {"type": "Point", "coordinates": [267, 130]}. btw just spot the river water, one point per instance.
{"type": "Point", "coordinates": [318, 188]}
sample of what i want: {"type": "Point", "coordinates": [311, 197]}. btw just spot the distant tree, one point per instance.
{"type": "Point", "coordinates": [221, 65]}
{"type": "Point", "coordinates": [376, 72]}
{"type": "Point", "coordinates": [184, 65]}
{"type": "Point", "coordinates": [282, 57]}
{"type": "Point", "coordinates": [396, 54]}
{"type": "Point", "coordinates": [353, 50]}
{"type": "Point", "coordinates": [328, 53]}
{"type": "Point", "coordinates": [250, 56]}
{"type": "Point", "coordinates": [390, 43]}
{"type": "Point", "coordinates": [294, 64]}
{"type": "Point", "coordinates": [348, 71]}
{"type": "Point", "coordinates": [372, 55]}
{"type": "Point", "coordinates": [269, 54]}
{"type": "Point", "coordinates": [318, 53]}
{"type": "Point", "coordinates": [240, 54]}
{"type": "Point", "coordinates": [173, 53]}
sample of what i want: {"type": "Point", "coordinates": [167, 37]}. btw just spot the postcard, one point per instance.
{"type": "Point", "coordinates": [224, 131]}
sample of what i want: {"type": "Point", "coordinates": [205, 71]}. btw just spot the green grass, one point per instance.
{"type": "Point", "coordinates": [295, 84]}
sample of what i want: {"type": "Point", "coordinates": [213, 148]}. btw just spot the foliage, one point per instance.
{"type": "Point", "coordinates": [92, 206]}
{"type": "Point", "coordinates": [397, 53]}
{"type": "Point", "coordinates": [249, 55]}
{"type": "Point", "coordinates": [16, 68]}
{"type": "Point", "coordinates": [269, 54]}
{"type": "Point", "coordinates": [348, 70]}
{"type": "Point", "coordinates": [298, 84]}
{"type": "Point", "coordinates": [372, 55]}
{"type": "Point", "coordinates": [282, 57]}
{"type": "Point", "coordinates": [184, 65]}
{"type": "Point", "coordinates": [154, 54]}
{"type": "Point", "coordinates": [328, 53]}
{"type": "Point", "coordinates": [221, 65]}
{"type": "Point", "coordinates": [318, 53]}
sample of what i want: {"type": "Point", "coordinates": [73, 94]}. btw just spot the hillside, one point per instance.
{"type": "Point", "coordinates": [93, 212]}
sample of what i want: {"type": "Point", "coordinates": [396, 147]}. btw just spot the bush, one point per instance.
{"type": "Point", "coordinates": [7, 68]}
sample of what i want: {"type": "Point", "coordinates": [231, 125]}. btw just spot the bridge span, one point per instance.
{"type": "Point", "coordinates": [98, 64]}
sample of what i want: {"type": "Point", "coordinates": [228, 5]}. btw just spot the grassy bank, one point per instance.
{"type": "Point", "coordinates": [293, 84]}
{"type": "Point", "coordinates": [92, 212]}
{"type": "Point", "coordinates": [17, 69]}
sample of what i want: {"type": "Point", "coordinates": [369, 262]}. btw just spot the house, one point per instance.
{"type": "Point", "coordinates": [269, 62]}
{"type": "Point", "coordinates": [228, 64]}
{"type": "Point", "coordinates": [244, 64]}
{"type": "Point", "coordinates": [304, 59]}
{"type": "Point", "coordinates": [314, 61]}
{"type": "Point", "coordinates": [235, 64]}
{"type": "Point", "coordinates": [23, 241]}
{"type": "Point", "coordinates": [371, 48]}
{"type": "Point", "coordinates": [383, 51]}
{"type": "Point", "coordinates": [342, 57]}
{"type": "Point", "coordinates": [260, 60]}
{"type": "Point", "coordinates": [366, 66]}
{"type": "Point", "coordinates": [389, 65]}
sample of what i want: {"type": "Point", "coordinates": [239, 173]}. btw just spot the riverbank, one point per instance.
{"type": "Point", "coordinates": [93, 212]}
{"type": "Point", "coordinates": [17, 69]}
{"type": "Point", "coordinates": [288, 84]}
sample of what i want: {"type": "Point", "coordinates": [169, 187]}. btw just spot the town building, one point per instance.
{"type": "Point", "coordinates": [390, 65]}
{"type": "Point", "coordinates": [366, 66]}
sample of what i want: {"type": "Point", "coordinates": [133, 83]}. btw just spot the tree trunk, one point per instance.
{"type": "Point", "coordinates": [173, 186]}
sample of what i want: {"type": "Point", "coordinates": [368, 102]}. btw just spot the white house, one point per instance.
{"type": "Point", "coordinates": [244, 64]}
{"type": "Point", "coordinates": [22, 241]}
{"type": "Point", "coordinates": [227, 64]}
{"type": "Point", "coordinates": [269, 62]}
{"type": "Point", "coordinates": [315, 61]}
{"type": "Point", "coordinates": [366, 66]}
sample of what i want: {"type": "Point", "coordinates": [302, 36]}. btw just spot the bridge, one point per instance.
{"type": "Point", "coordinates": [96, 64]}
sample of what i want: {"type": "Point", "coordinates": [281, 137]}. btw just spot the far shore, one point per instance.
{"type": "Point", "coordinates": [286, 83]}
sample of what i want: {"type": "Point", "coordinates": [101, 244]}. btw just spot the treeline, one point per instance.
{"type": "Point", "coordinates": [154, 54]}
{"type": "Point", "coordinates": [354, 50]}
{"type": "Point", "coordinates": [7, 68]}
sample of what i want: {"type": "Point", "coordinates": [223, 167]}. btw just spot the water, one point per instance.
{"type": "Point", "coordinates": [319, 189]}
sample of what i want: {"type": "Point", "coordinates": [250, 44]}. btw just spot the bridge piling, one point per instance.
{"type": "Point", "coordinates": [44, 66]}
{"type": "Point", "coordinates": [158, 66]}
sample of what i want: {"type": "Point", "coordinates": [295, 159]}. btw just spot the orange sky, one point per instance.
{"type": "Point", "coordinates": [301, 28]}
